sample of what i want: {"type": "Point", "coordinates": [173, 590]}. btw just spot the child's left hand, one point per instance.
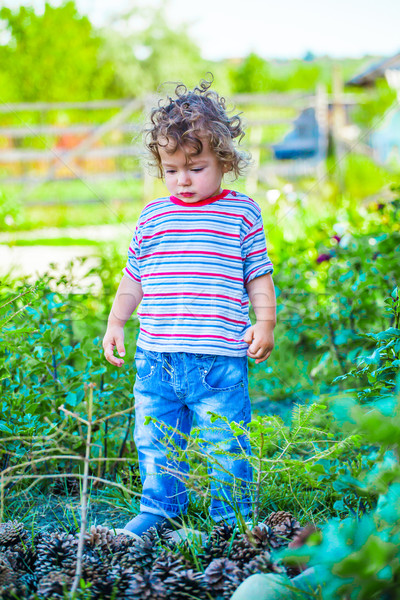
{"type": "Point", "coordinates": [260, 338]}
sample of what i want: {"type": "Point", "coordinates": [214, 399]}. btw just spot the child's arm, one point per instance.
{"type": "Point", "coordinates": [260, 336]}
{"type": "Point", "coordinates": [128, 297]}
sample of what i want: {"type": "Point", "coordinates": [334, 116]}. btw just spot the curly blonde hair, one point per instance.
{"type": "Point", "coordinates": [193, 115]}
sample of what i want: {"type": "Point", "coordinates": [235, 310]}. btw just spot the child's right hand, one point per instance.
{"type": "Point", "coordinates": [114, 337]}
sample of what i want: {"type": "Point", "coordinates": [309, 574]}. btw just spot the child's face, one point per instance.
{"type": "Point", "coordinates": [192, 178]}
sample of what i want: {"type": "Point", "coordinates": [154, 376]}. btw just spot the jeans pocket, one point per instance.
{"type": "Point", "coordinates": [146, 364]}
{"type": "Point", "coordinates": [222, 373]}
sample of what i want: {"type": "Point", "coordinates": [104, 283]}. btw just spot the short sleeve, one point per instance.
{"type": "Point", "coordinates": [132, 265]}
{"type": "Point", "coordinates": [254, 253]}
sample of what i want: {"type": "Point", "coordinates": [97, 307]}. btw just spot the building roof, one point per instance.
{"type": "Point", "coordinates": [375, 71]}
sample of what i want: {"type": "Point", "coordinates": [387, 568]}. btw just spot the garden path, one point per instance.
{"type": "Point", "coordinates": [35, 260]}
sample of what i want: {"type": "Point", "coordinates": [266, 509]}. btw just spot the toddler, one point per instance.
{"type": "Point", "coordinates": [197, 257]}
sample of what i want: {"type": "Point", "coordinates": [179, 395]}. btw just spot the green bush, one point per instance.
{"type": "Point", "coordinates": [362, 552]}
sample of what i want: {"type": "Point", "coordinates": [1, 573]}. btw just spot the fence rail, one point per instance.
{"type": "Point", "coordinates": [34, 180]}
{"type": "Point", "coordinates": [57, 130]}
{"type": "Point", "coordinates": [22, 156]}
{"type": "Point", "coordinates": [8, 107]}
{"type": "Point", "coordinates": [78, 146]}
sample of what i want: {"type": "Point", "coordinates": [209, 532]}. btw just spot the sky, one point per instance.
{"type": "Point", "coordinates": [271, 28]}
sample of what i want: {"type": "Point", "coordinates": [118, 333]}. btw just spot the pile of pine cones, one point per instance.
{"type": "Point", "coordinates": [116, 567]}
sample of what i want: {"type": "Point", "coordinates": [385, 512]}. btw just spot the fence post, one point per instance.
{"type": "Point", "coordinates": [255, 138]}
{"type": "Point", "coordinates": [321, 115]}
{"type": "Point", "coordinates": [148, 179]}
{"type": "Point", "coordinates": [338, 122]}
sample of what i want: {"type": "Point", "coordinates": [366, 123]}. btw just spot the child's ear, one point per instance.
{"type": "Point", "coordinates": [225, 168]}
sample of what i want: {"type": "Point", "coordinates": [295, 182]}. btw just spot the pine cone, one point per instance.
{"type": "Point", "coordinates": [242, 550]}
{"type": "Point", "coordinates": [53, 585]}
{"type": "Point", "coordinates": [22, 555]}
{"type": "Point", "coordinates": [119, 546]}
{"type": "Point", "coordinates": [213, 549]}
{"type": "Point", "coordinates": [28, 581]}
{"type": "Point", "coordinates": [262, 563]}
{"type": "Point", "coordinates": [231, 586]}
{"type": "Point", "coordinates": [137, 557]}
{"type": "Point", "coordinates": [103, 589]}
{"type": "Point", "coordinates": [168, 564]}
{"type": "Point", "coordinates": [56, 551]}
{"type": "Point", "coordinates": [164, 532]}
{"type": "Point", "coordinates": [11, 532]}
{"type": "Point", "coordinates": [217, 544]}
{"type": "Point", "coordinates": [220, 571]}
{"type": "Point", "coordinates": [93, 567]}
{"type": "Point", "coordinates": [284, 527]}
{"type": "Point", "coordinates": [7, 572]}
{"type": "Point", "coordinates": [186, 584]}
{"type": "Point", "coordinates": [159, 535]}
{"type": "Point", "coordinates": [222, 532]}
{"type": "Point", "coordinates": [122, 578]}
{"type": "Point", "coordinates": [13, 591]}
{"type": "Point", "coordinates": [120, 543]}
{"type": "Point", "coordinates": [260, 536]}
{"type": "Point", "coordinates": [99, 536]}
{"type": "Point", "coordinates": [145, 586]}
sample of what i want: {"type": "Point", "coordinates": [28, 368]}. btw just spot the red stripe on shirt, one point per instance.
{"type": "Point", "coordinates": [191, 315]}
{"type": "Point", "coordinates": [189, 335]}
{"type": "Point", "coordinates": [249, 235]}
{"type": "Point", "coordinates": [200, 295]}
{"type": "Point", "coordinates": [257, 252]}
{"type": "Point", "coordinates": [206, 274]}
{"type": "Point", "coordinates": [195, 252]}
{"type": "Point", "coordinates": [190, 232]}
{"type": "Point", "coordinates": [132, 275]}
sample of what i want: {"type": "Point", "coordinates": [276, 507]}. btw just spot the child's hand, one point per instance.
{"type": "Point", "coordinates": [114, 337]}
{"type": "Point", "coordinates": [260, 338]}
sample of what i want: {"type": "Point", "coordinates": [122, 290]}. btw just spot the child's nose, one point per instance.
{"type": "Point", "coordinates": [183, 178]}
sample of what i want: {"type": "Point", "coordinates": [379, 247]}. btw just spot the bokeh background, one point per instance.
{"type": "Point", "coordinates": [317, 84]}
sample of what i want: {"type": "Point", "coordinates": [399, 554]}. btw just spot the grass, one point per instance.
{"type": "Point", "coordinates": [70, 204]}
{"type": "Point", "coordinates": [60, 241]}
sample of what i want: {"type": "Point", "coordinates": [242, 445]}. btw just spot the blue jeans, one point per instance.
{"type": "Point", "coordinates": [172, 388]}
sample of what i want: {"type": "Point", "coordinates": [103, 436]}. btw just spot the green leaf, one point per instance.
{"type": "Point", "coordinates": [3, 427]}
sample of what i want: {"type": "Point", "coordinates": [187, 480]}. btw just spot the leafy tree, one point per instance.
{"type": "Point", "coordinates": [305, 76]}
{"type": "Point", "coordinates": [374, 106]}
{"type": "Point", "coordinates": [252, 75]}
{"type": "Point", "coordinates": [60, 55]}
{"type": "Point", "coordinates": [146, 51]}
{"type": "Point", "coordinates": [255, 74]}
{"type": "Point", "coordinates": [51, 56]}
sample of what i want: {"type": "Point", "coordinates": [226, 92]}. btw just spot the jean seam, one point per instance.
{"type": "Point", "coordinates": [153, 368]}
{"type": "Point", "coordinates": [226, 389]}
{"type": "Point", "coordinates": [172, 508]}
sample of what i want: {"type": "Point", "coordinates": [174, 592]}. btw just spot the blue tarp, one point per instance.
{"type": "Point", "coordinates": [303, 141]}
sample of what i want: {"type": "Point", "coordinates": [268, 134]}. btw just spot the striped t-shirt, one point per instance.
{"type": "Point", "coordinates": [193, 262]}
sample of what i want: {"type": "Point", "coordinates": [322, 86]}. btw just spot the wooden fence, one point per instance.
{"type": "Point", "coordinates": [96, 152]}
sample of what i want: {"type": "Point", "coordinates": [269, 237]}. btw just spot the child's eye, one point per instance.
{"type": "Point", "coordinates": [197, 170]}
{"type": "Point", "coordinates": [169, 171]}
